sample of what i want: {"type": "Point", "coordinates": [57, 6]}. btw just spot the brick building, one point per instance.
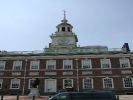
{"type": "Point", "coordinates": [65, 65]}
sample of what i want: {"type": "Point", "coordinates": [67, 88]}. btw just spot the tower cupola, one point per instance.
{"type": "Point", "coordinates": [64, 26]}
{"type": "Point", "coordinates": [63, 39]}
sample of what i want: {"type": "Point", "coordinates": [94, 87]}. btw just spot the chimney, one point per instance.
{"type": "Point", "coordinates": [126, 47]}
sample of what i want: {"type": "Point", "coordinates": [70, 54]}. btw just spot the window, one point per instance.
{"type": "Point", "coordinates": [87, 83]}
{"type": "Point", "coordinates": [105, 63]}
{"type": "Point", "coordinates": [67, 64]}
{"type": "Point", "coordinates": [15, 84]}
{"type": "Point", "coordinates": [2, 65]}
{"type": "Point", "coordinates": [30, 82]}
{"type": "Point", "coordinates": [128, 82]}
{"type": "Point", "coordinates": [68, 83]}
{"type": "Point", "coordinates": [86, 64]}
{"type": "Point", "coordinates": [124, 63]}
{"type": "Point", "coordinates": [68, 28]}
{"type": "Point", "coordinates": [51, 64]}
{"type": "Point", "coordinates": [1, 80]}
{"type": "Point", "coordinates": [63, 29]}
{"type": "Point", "coordinates": [34, 65]}
{"type": "Point", "coordinates": [17, 65]}
{"type": "Point", "coordinates": [108, 83]}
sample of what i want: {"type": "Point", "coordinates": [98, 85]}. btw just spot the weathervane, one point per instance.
{"type": "Point", "coordinates": [64, 14]}
{"type": "Point", "coordinates": [64, 20]}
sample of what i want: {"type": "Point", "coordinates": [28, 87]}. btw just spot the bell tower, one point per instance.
{"type": "Point", "coordinates": [64, 26]}
{"type": "Point", "coordinates": [64, 36]}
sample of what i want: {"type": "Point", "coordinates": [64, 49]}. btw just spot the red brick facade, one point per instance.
{"type": "Point", "coordinates": [96, 72]}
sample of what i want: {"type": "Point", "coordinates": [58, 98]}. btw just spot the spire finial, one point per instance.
{"type": "Point", "coordinates": [64, 14]}
{"type": "Point", "coordinates": [64, 19]}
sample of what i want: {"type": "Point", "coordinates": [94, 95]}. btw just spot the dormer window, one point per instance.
{"type": "Point", "coordinates": [63, 29]}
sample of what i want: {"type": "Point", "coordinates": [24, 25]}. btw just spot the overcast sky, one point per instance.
{"type": "Point", "coordinates": [26, 25]}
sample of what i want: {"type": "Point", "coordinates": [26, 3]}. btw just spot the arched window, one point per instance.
{"type": "Point", "coordinates": [63, 29]}
{"type": "Point", "coordinates": [68, 29]}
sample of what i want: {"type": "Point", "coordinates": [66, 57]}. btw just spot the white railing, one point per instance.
{"type": "Point", "coordinates": [21, 52]}
{"type": "Point", "coordinates": [77, 50]}
{"type": "Point", "coordinates": [115, 49]}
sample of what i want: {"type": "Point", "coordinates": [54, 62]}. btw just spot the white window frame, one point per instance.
{"type": "Point", "coordinates": [51, 63]}
{"type": "Point", "coordinates": [105, 62]}
{"type": "Point", "coordinates": [68, 63]}
{"type": "Point", "coordinates": [124, 85]}
{"type": "Point", "coordinates": [64, 83]}
{"type": "Point", "coordinates": [29, 86]}
{"type": "Point", "coordinates": [17, 82]}
{"type": "Point", "coordinates": [86, 63]}
{"type": "Point", "coordinates": [1, 81]}
{"type": "Point", "coordinates": [90, 83]}
{"type": "Point", "coordinates": [106, 85]}
{"type": "Point", "coordinates": [17, 64]}
{"type": "Point", "coordinates": [2, 65]}
{"type": "Point", "coordinates": [124, 61]}
{"type": "Point", "coordinates": [35, 63]}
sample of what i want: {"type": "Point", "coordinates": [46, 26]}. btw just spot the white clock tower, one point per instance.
{"type": "Point", "coordinates": [63, 38]}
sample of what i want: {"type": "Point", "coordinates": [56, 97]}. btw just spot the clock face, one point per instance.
{"type": "Point", "coordinates": [63, 41]}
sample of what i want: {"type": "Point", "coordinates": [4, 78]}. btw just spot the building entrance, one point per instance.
{"type": "Point", "coordinates": [50, 85]}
